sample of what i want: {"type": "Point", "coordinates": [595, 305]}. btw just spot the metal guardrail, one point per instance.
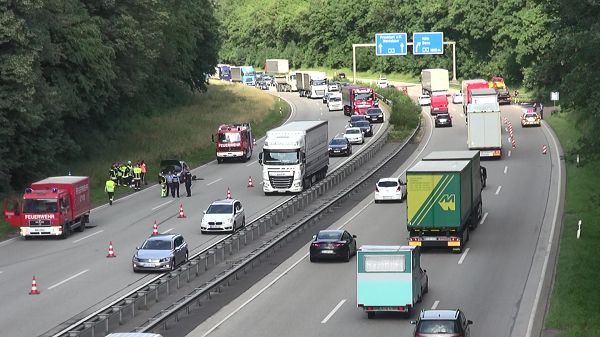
{"type": "Point", "coordinates": [111, 316]}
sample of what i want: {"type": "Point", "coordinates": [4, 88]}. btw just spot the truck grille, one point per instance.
{"type": "Point", "coordinates": [281, 182]}
{"type": "Point", "coordinates": [39, 223]}
{"type": "Point", "coordinates": [320, 92]}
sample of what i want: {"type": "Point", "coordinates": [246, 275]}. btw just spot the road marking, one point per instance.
{"type": "Point", "coordinates": [483, 218]}
{"type": "Point", "coordinates": [509, 152]}
{"type": "Point", "coordinates": [85, 237]}
{"type": "Point", "coordinates": [333, 311]}
{"type": "Point", "coordinates": [5, 242]}
{"type": "Point", "coordinates": [168, 230]}
{"type": "Point", "coordinates": [161, 205]}
{"type": "Point", "coordinates": [462, 258]}
{"type": "Point", "coordinates": [252, 163]}
{"type": "Point", "coordinates": [214, 181]}
{"type": "Point", "coordinates": [435, 305]}
{"type": "Point", "coordinates": [498, 190]}
{"type": "Point", "coordinates": [68, 279]}
{"type": "Point", "coordinates": [505, 169]}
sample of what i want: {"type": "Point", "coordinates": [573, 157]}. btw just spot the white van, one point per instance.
{"type": "Point", "coordinates": [335, 101]}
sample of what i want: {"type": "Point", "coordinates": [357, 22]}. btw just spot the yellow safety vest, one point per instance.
{"type": "Point", "coordinates": [110, 186]}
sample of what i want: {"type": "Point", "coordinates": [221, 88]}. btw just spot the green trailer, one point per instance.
{"type": "Point", "coordinates": [389, 278]}
{"type": "Point", "coordinates": [442, 204]}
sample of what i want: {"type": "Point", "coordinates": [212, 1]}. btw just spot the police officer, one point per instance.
{"type": "Point", "coordinates": [188, 183]}
{"type": "Point", "coordinates": [109, 188]}
{"type": "Point", "coordinates": [175, 185]}
{"type": "Point", "coordinates": [169, 179]}
{"type": "Point", "coordinates": [137, 177]}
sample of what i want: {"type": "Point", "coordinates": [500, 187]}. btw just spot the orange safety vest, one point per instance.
{"type": "Point", "coordinates": [143, 167]}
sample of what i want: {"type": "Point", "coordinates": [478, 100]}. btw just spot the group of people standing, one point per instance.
{"type": "Point", "coordinates": [170, 183]}
{"type": "Point", "coordinates": [125, 175]}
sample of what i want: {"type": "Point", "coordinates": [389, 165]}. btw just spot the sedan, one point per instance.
{"type": "Point", "coordinates": [390, 189]}
{"type": "Point", "coordinates": [340, 146]}
{"type": "Point", "coordinates": [375, 115]}
{"type": "Point", "coordinates": [424, 100]}
{"type": "Point", "coordinates": [457, 98]}
{"type": "Point", "coordinates": [364, 126]}
{"type": "Point", "coordinates": [354, 136]}
{"type": "Point", "coordinates": [329, 244]}
{"type": "Point", "coordinates": [443, 119]}
{"type": "Point", "coordinates": [160, 252]}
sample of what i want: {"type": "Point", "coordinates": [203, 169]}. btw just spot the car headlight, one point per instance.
{"type": "Point", "coordinates": [166, 259]}
{"type": "Point", "coordinates": [330, 148]}
{"type": "Point", "coordinates": [136, 259]}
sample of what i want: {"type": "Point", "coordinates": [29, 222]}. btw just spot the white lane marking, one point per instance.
{"type": "Point", "coordinates": [252, 163]}
{"type": "Point", "coordinates": [68, 279]}
{"type": "Point", "coordinates": [509, 152]}
{"type": "Point", "coordinates": [168, 230]}
{"type": "Point", "coordinates": [509, 139]}
{"type": "Point", "coordinates": [435, 305]}
{"type": "Point", "coordinates": [483, 218]}
{"type": "Point", "coordinates": [550, 238]}
{"type": "Point", "coordinates": [214, 181]}
{"type": "Point", "coordinates": [498, 190]}
{"type": "Point", "coordinates": [85, 237]}
{"type": "Point", "coordinates": [505, 169]}
{"type": "Point", "coordinates": [462, 258]}
{"type": "Point", "coordinates": [333, 311]}
{"type": "Point", "coordinates": [161, 205]}
{"type": "Point", "coordinates": [5, 242]}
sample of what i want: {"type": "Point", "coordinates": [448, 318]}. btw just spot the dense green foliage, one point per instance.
{"type": "Point", "coordinates": [73, 71]}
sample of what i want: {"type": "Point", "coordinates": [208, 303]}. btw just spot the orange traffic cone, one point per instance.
{"type": "Point", "coordinates": [250, 183]}
{"type": "Point", "coordinates": [181, 214]}
{"type": "Point", "coordinates": [111, 252]}
{"type": "Point", "coordinates": [544, 149]}
{"type": "Point", "coordinates": [228, 193]}
{"type": "Point", "coordinates": [155, 229]}
{"type": "Point", "coordinates": [34, 289]}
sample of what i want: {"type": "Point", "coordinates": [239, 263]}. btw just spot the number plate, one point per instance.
{"type": "Point", "coordinates": [149, 265]}
{"type": "Point", "coordinates": [430, 238]}
{"type": "Point", "coordinates": [327, 251]}
{"type": "Point", "coordinates": [39, 229]}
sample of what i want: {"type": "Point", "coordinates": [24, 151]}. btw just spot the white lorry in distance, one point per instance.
{"type": "Point", "coordinates": [435, 82]}
{"type": "Point", "coordinates": [277, 66]}
{"type": "Point", "coordinates": [295, 155]}
{"type": "Point", "coordinates": [484, 128]}
{"type": "Point", "coordinates": [311, 84]}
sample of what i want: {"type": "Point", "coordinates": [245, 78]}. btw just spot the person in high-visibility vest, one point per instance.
{"type": "Point", "coordinates": [109, 188]}
{"type": "Point", "coordinates": [112, 173]}
{"type": "Point", "coordinates": [144, 170]}
{"type": "Point", "coordinates": [123, 179]}
{"type": "Point", "coordinates": [129, 174]}
{"type": "Point", "coordinates": [137, 177]}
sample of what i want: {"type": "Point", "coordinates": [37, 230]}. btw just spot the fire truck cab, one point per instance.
{"type": "Point", "coordinates": [234, 141]}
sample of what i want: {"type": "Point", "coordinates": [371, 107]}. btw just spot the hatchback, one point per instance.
{"type": "Point", "coordinates": [443, 119]}
{"type": "Point", "coordinates": [160, 252]}
{"type": "Point", "coordinates": [223, 216]}
{"type": "Point", "coordinates": [442, 323]}
{"type": "Point", "coordinates": [333, 244]}
{"type": "Point", "coordinates": [390, 189]}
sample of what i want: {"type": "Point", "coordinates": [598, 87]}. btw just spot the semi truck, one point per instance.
{"type": "Point", "coordinates": [55, 206]}
{"type": "Point", "coordinates": [357, 100]}
{"type": "Point", "coordinates": [234, 141]}
{"type": "Point", "coordinates": [285, 82]}
{"type": "Point", "coordinates": [484, 129]}
{"type": "Point", "coordinates": [389, 279]}
{"type": "Point", "coordinates": [236, 74]}
{"type": "Point", "coordinates": [224, 72]}
{"type": "Point", "coordinates": [435, 81]}
{"type": "Point", "coordinates": [311, 84]}
{"type": "Point", "coordinates": [497, 83]}
{"type": "Point", "coordinates": [277, 66]}
{"type": "Point", "coordinates": [248, 75]}
{"type": "Point", "coordinates": [442, 204]}
{"type": "Point", "coordinates": [294, 156]}
{"type": "Point", "coordinates": [467, 86]}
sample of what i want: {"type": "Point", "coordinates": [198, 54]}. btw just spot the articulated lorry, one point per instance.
{"type": "Point", "coordinates": [484, 126]}
{"type": "Point", "coordinates": [286, 82]}
{"type": "Point", "coordinates": [357, 100]}
{"type": "Point", "coordinates": [311, 84]}
{"type": "Point", "coordinates": [54, 206]}
{"type": "Point", "coordinates": [224, 72]}
{"type": "Point", "coordinates": [435, 82]}
{"type": "Point", "coordinates": [467, 86]}
{"type": "Point", "coordinates": [442, 203]}
{"type": "Point", "coordinates": [234, 141]}
{"type": "Point", "coordinates": [473, 156]}
{"type": "Point", "coordinates": [295, 155]}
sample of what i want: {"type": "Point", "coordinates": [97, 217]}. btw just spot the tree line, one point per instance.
{"type": "Point", "coordinates": [72, 72]}
{"type": "Point", "coordinates": [544, 45]}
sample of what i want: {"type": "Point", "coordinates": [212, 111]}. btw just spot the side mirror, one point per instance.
{"type": "Point", "coordinates": [203, 212]}
{"type": "Point", "coordinates": [469, 322]}
{"type": "Point", "coordinates": [260, 158]}
{"type": "Point", "coordinates": [413, 322]}
{"type": "Point", "coordinates": [314, 237]}
{"type": "Point", "coordinates": [354, 236]}
{"type": "Point", "coordinates": [137, 248]}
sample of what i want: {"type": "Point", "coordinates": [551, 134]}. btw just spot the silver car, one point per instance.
{"type": "Point", "coordinates": [160, 252]}
{"type": "Point", "coordinates": [223, 216]}
{"type": "Point", "coordinates": [355, 135]}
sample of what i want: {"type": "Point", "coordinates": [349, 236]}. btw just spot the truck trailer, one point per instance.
{"type": "Point", "coordinates": [277, 66]}
{"type": "Point", "coordinates": [484, 129]}
{"type": "Point", "coordinates": [295, 155]}
{"type": "Point", "coordinates": [311, 84]}
{"type": "Point", "coordinates": [236, 74]}
{"type": "Point", "coordinates": [435, 81]}
{"type": "Point", "coordinates": [234, 141]}
{"type": "Point", "coordinates": [473, 156]}
{"type": "Point", "coordinates": [442, 205]}
{"type": "Point", "coordinates": [54, 206]}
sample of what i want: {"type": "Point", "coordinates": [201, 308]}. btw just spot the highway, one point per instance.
{"type": "Point", "coordinates": [74, 275]}
{"type": "Point", "coordinates": [495, 281]}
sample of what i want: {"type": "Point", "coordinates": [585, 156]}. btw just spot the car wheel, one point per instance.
{"type": "Point", "coordinates": [347, 258]}
{"type": "Point", "coordinates": [172, 265]}
{"type": "Point", "coordinates": [376, 201]}
{"type": "Point", "coordinates": [219, 160]}
{"type": "Point", "coordinates": [370, 314]}
{"type": "Point", "coordinates": [312, 259]}
{"type": "Point", "coordinates": [426, 287]}
{"type": "Point", "coordinates": [233, 228]}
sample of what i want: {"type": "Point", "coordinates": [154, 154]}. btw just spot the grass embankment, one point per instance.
{"type": "Point", "coordinates": [182, 133]}
{"type": "Point", "coordinates": [574, 309]}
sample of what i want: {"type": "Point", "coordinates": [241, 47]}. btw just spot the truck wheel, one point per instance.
{"type": "Point", "coordinates": [219, 160]}
{"type": "Point", "coordinates": [370, 314]}
{"type": "Point", "coordinates": [66, 228]}
{"type": "Point", "coordinates": [81, 227]}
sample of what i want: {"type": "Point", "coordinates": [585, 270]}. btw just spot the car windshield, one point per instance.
{"type": "Point", "coordinates": [318, 82]}
{"type": "Point", "coordinates": [424, 97]}
{"type": "Point", "coordinates": [230, 137]}
{"type": "Point", "coordinates": [357, 118]}
{"type": "Point", "coordinates": [329, 235]}
{"type": "Point", "coordinates": [443, 116]}
{"type": "Point", "coordinates": [219, 209]}
{"type": "Point", "coordinates": [361, 124]}
{"type": "Point", "coordinates": [437, 326]}
{"type": "Point", "coordinates": [335, 99]}
{"type": "Point", "coordinates": [40, 206]}
{"type": "Point", "coordinates": [338, 141]}
{"type": "Point", "coordinates": [352, 131]}
{"type": "Point", "coordinates": [364, 97]}
{"type": "Point", "coordinates": [530, 115]}
{"type": "Point", "coordinates": [278, 157]}
{"type": "Point", "coordinates": [157, 245]}
{"type": "Point", "coordinates": [170, 165]}
{"type": "Point", "coordinates": [374, 111]}
{"type": "Point", "coordinates": [387, 183]}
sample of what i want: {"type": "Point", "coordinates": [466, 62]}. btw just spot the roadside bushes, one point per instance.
{"type": "Point", "coordinates": [405, 113]}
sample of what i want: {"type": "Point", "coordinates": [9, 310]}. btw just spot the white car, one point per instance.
{"type": "Point", "coordinates": [382, 83]}
{"type": "Point", "coordinates": [354, 135]}
{"type": "Point", "coordinates": [223, 216]}
{"type": "Point", "coordinates": [390, 189]}
{"type": "Point", "coordinates": [335, 102]}
{"type": "Point", "coordinates": [424, 100]}
{"type": "Point", "coordinates": [457, 98]}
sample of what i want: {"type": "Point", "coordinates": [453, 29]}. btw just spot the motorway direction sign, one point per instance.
{"type": "Point", "coordinates": [431, 43]}
{"type": "Point", "coordinates": [389, 44]}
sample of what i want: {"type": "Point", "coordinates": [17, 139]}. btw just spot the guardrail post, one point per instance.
{"type": "Point", "coordinates": [261, 223]}
{"type": "Point", "coordinates": [221, 251]}
{"type": "Point", "coordinates": [104, 317]}
{"type": "Point", "coordinates": [251, 230]}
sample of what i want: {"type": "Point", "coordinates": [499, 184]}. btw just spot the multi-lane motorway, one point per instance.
{"type": "Point", "coordinates": [74, 275]}
{"type": "Point", "coordinates": [496, 280]}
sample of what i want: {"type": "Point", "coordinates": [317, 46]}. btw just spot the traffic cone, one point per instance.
{"type": "Point", "coordinates": [250, 183]}
{"type": "Point", "coordinates": [544, 149]}
{"type": "Point", "coordinates": [34, 289]}
{"type": "Point", "coordinates": [228, 193]}
{"type": "Point", "coordinates": [253, 141]}
{"type": "Point", "coordinates": [155, 229]}
{"type": "Point", "coordinates": [181, 215]}
{"type": "Point", "coordinates": [111, 252]}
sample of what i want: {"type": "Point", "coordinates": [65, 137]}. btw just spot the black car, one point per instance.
{"type": "Point", "coordinates": [356, 118]}
{"type": "Point", "coordinates": [364, 126]}
{"type": "Point", "coordinates": [178, 167]}
{"type": "Point", "coordinates": [340, 146]}
{"type": "Point", "coordinates": [443, 119]}
{"type": "Point", "coordinates": [375, 115]}
{"type": "Point", "coordinates": [333, 244]}
{"type": "Point", "coordinates": [438, 323]}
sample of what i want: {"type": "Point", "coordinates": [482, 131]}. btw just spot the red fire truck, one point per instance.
{"type": "Point", "coordinates": [357, 100]}
{"type": "Point", "coordinates": [54, 206]}
{"type": "Point", "coordinates": [234, 141]}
